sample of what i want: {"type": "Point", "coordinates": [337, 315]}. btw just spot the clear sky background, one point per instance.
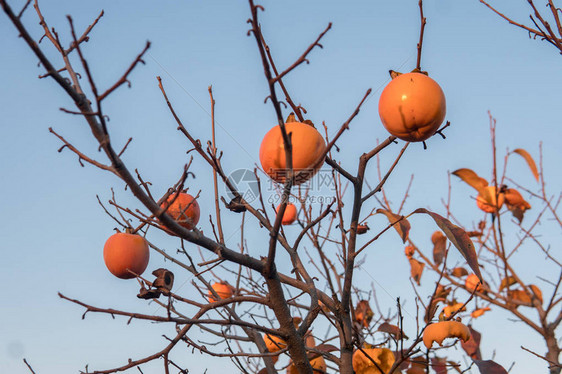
{"type": "Point", "coordinates": [52, 229]}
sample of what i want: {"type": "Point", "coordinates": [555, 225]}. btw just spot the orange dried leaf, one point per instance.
{"type": "Point", "coordinates": [519, 297]}
{"type": "Point", "coordinates": [416, 269]}
{"type": "Point", "coordinates": [363, 313]}
{"type": "Point", "coordinates": [478, 312]}
{"type": "Point", "coordinates": [458, 237]}
{"type": "Point", "coordinates": [509, 281]}
{"type": "Point", "coordinates": [439, 246]}
{"type": "Point", "coordinates": [402, 226]}
{"type": "Point", "coordinates": [391, 329]}
{"type": "Point", "coordinates": [523, 153]}
{"type": "Point", "coordinates": [471, 178]}
{"type": "Point", "coordinates": [516, 204]}
{"type": "Point", "coordinates": [459, 272]}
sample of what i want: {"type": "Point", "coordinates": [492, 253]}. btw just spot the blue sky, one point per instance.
{"type": "Point", "coordinates": [53, 229]}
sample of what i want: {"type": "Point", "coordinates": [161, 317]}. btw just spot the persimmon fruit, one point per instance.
{"type": "Point", "coordinates": [412, 107]}
{"type": "Point", "coordinates": [183, 208]}
{"type": "Point", "coordinates": [223, 290]}
{"type": "Point", "coordinates": [437, 332]}
{"type": "Point", "coordinates": [488, 200]}
{"type": "Point", "coordinates": [290, 214]}
{"type": "Point", "coordinates": [308, 148]}
{"type": "Point", "coordinates": [275, 344]}
{"type": "Point", "coordinates": [126, 255]}
{"type": "Point", "coordinates": [382, 356]}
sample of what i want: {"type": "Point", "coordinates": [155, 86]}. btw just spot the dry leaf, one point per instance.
{"type": "Point", "coordinates": [478, 312]}
{"type": "Point", "coordinates": [519, 297]}
{"type": "Point", "coordinates": [164, 279]}
{"type": "Point", "coordinates": [404, 364]}
{"type": "Point", "coordinates": [523, 153]}
{"type": "Point", "coordinates": [402, 227]}
{"type": "Point", "coordinates": [471, 178]}
{"type": "Point", "coordinates": [439, 246]}
{"type": "Point", "coordinates": [516, 204]}
{"type": "Point", "coordinates": [432, 309]}
{"type": "Point", "coordinates": [472, 345]}
{"type": "Point", "coordinates": [442, 292]}
{"type": "Point", "coordinates": [418, 365]}
{"type": "Point", "coordinates": [322, 348]}
{"type": "Point", "coordinates": [459, 272]}
{"type": "Point", "coordinates": [439, 365]}
{"type": "Point", "coordinates": [391, 329]}
{"type": "Point", "coordinates": [458, 237]}
{"type": "Point", "coordinates": [489, 367]}
{"type": "Point", "coordinates": [416, 270]}
{"type": "Point", "coordinates": [363, 313]}
{"type": "Point", "coordinates": [509, 281]}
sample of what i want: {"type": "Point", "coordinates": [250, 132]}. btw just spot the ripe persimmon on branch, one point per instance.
{"type": "Point", "coordinates": [311, 316]}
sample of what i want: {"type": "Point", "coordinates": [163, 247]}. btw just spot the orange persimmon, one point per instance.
{"type": "Point", "coordinates": [412, 107]}
{"type": "Point", "coordinates": [290, 214]}
{"type": "Point", "coordinates": [308, 148]}
{"type": "Point", "coordinates": [223, 290]}
{"type": "Point", "coordinates": [382, 356]}
{"type": "Point", "coordinates": [183, 208]}
{"type": "Point", "coordinates": [123, 252]}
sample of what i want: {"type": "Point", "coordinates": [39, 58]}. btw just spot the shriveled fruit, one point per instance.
{"type": "Point", "coordinates": [488, 200]}
{"type": "Point", "coordinates": [412, 107]}
{"type": "Point", "coordinates": [363, 365]}
{"type": "Point", "coordinates": [183, 208]}
{"type": "Point", "coordinates": [126, 255]}
{"type": "Point", "coordinates": [290, 214]}
{"type": "Point", "coordinates": [362, 229]}
{"type": "Point", "coordinates": [308, 148]}
{"type": "Point", "coordinates": [437, 332]}
{"type": "Point", "coordinates": [223, 290]}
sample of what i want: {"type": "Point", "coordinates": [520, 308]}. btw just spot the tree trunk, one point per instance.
{"type": "Point", "coordinates": [553, 351]}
